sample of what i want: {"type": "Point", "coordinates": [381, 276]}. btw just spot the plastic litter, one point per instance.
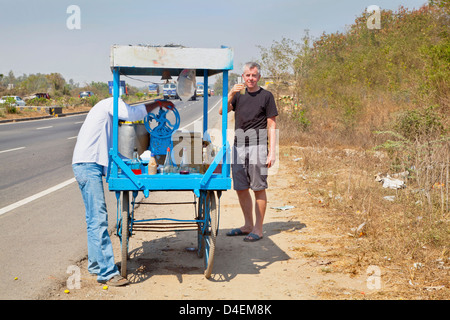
{"type": "Point", "coordinates": [393, 183]}
{"type": "Point", "coordinates": [359, 228]}
{"type": "Point", "coordinates": [283, 208]}
{"type": "Point", "coordinates": [390, 182]}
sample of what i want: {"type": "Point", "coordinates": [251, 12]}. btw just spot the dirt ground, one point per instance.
{"type": "Point", "coordinates": [301, 255]}
{"type": "Point", "coordinates": [278, 267]}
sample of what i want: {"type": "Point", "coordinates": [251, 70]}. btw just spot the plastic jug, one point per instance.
{"type": "Point", "coordinates": [152, 165]}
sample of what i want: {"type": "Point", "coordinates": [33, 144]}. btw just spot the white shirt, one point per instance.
{"type": "Point", "coordinates": [95, 137]}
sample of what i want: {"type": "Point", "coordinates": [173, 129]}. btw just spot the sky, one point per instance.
{"type": "Point", "coordinates": [38, 36]}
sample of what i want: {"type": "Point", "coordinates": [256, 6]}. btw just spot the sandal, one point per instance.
{"type": "Point", "coordinates": [252, 237]}
{"type": "Point", "coordinates": [115, 281]}
{"type": "Point", "coordinates": [236, 232]}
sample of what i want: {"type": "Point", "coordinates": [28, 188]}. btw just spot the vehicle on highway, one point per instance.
{"type": "Point", "coordinates": [85, 94]}
{"type": "Point", "coordinates": [13, 100]}
{"type": "Point", "coordinates": [153, 89]}
{"type": "Point", "coordinates": [170, 91]}
{"type": "Point", "coordinates": [199, 90]}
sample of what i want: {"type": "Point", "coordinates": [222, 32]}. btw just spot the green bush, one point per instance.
{"type": "Point", "coordinates": [92, 100]}
{"type": "Point", "coordinates": [301, 119]}
{"type": "Point", "coordinates": [418, 124]}
{"type": "Point", "coordinates": [9, 105]}
{"type": "Point", "coordinates": [39, 102]}
{"type": "Point", "coordinates": [12, 109]}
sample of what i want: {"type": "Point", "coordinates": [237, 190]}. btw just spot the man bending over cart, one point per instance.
{"type": "Point", "coordinates": [90, 164]}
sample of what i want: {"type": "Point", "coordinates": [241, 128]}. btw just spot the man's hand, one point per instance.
{"type": "Point", "coordinates": [270, 159]}
{"type": "Point", "coordinates": [159, 103]}
{"type": "Point", "coordinates": [165, 103]}
{"type": "Point", "coordinates": [271, 127]}
{"type": "Point", "coordinates": [236, 88]}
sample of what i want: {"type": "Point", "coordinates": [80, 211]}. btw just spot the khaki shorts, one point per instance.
{"type": "Point", "coordinates": [249, 167]}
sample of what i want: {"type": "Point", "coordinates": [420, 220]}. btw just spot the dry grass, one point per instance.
{"type": "Point", "coordinates": [35, 113]}
{"type": "Point", "coordinates": [406, 240]}
{"type": "Point", "coordinates": [27, 113]}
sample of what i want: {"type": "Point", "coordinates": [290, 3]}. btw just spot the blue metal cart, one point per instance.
{"type": "Point", "coordinates": [158, 61]}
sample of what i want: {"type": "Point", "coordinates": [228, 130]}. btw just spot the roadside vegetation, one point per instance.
{"type": "Point", "coordinates": [62, 94]}
{"type": "Point", "coordinates": [364, 107]}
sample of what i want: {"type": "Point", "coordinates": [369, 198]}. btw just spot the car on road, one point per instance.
{"type": "Point", "coordinates": [85, 94]}
{"type": "Point", "coordinates": [15, 100]}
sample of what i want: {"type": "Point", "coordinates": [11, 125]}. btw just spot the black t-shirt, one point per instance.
{"type": "Point", "coordinates": [251, 112]}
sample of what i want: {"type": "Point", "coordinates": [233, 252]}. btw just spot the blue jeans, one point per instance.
{"type": "Point", "coordinates": [100, 251]}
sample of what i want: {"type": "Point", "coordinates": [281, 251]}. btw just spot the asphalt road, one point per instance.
{"type": "Point", "coordinates": [42, 227]}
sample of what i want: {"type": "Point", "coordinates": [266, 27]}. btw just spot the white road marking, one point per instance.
{"type": "Point", "coordinates": [36, 196]}
{"type": "Point", "coordinates": [20, 148]}
{"type": "Point", "coordinates": [72, 138]}
{"type": "Point", "coordinates": [44, 128]}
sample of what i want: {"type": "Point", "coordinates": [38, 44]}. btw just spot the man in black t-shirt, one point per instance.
{"type": "Point", "coordinates": [254, 148]}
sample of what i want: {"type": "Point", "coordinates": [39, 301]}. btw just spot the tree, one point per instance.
{"type": "Point", "coordinates": [278, 63]}
{"type": "Point", "coordinates": [57, 84]}
{"type": "Point", "coordinates": [35, 83]}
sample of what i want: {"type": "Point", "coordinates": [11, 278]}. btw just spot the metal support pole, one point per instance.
{"type": "Point", "coordinates": [225, 167]}
{"type": "Point", "coordinates": [205, 101]}
{"type": "Point", "coordinates": [115, 150]}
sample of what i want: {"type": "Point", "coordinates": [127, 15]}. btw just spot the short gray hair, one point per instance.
{"type": "Point", "coordinates": [251, 65]}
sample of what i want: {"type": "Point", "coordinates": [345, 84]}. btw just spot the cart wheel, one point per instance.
{"type": "Point", "coordinates": [125, 232]}
{"type": "Point", "coordinates": [207, 229]}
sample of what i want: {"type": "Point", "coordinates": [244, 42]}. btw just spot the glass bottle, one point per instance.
{"type": "Point", "coordinates": [136, 162]}
{"type": "Point", "coordinates": [168, 164]}
{"type": "Point", "coordinates": [184, 168]}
